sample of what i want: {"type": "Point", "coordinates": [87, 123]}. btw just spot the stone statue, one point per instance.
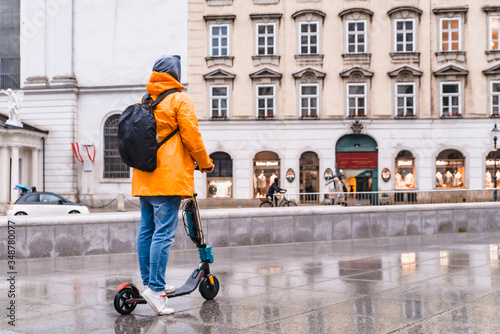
{"type": "Point", "coordinates": [14, 103]}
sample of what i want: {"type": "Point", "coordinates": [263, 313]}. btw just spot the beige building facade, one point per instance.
{"type": "Point", "coordinates": [391, 95]}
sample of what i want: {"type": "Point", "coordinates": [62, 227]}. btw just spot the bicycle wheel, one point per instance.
{"type": "Point", "coordinates": [266, 204]}
{"type": "Point", "coordinates": [290, 203]}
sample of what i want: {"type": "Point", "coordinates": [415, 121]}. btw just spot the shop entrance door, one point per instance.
{"type": "Point", "coordinates": [357, 163]}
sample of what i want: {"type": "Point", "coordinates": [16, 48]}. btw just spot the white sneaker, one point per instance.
{"type": "Point", "coordinates": [158, 304]}
{"type": "Point", "coordinates": [169, 289]}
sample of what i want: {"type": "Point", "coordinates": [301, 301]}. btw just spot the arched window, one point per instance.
{"type": "Point", "coordinates": [405, 170]}
{"type": "Point", "coordinates": [309, 176]}
{"type": "Point", "coordinates": [490, 174]}
{"type": "Point", "coordinates": [450, 169]}
{"type": "Point", "coordinates": [220, 181]}
{"type": "Point", "coordinates": [266, 167]}
{"type": "Point", "coordinates": [114, 167]}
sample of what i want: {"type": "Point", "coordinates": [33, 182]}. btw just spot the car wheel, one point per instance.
{"type": "Point", "coordinates": [21, 214]}
{"type": "Point", "coordinates": [74, 212]}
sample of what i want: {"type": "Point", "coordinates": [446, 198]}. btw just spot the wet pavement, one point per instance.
{"type": "Point", "coordinates": [447, 283]}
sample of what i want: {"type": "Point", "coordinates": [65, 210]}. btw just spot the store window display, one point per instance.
{"type": "Point", "coordinates": [405, 170]}
{"type": "Point", "coordinates": [266, 167]}
{"type": "Point", "coordinates": [490, 170]}
{"type": "Point", "coordinates": [220, 181]}
{"type": "Point", "coordinates": [450, 169]}
{"type": "Point", "coordinates": [309, 176]}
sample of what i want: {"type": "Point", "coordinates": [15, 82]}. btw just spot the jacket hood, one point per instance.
{"type": "Point", "coordinates": [160, 82]}
{"type": "Point", "coordinates": [170, 65]}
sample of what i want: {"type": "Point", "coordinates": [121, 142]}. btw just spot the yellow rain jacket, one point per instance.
{"type": "Point", "coordinates": [173, 175]}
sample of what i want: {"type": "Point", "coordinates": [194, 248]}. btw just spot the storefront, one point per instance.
{"type": "Point", "coordinates": [404, 177]}
{"type": "Point", "coordinates": [266, 167]}
{"type": "Point", "coordinates": [490, 170]}
{"type": "Point", "coordinates": [309, 175]}
{"type": "Point", "coordinates": [450, 170]}
{"type": "Point", "coordinates": [357, 162]}
{"type": "Point", "coordinates": [220, 181]}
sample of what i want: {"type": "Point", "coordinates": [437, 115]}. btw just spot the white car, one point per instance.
{"type": "Point", "coordinates": [44, 203]}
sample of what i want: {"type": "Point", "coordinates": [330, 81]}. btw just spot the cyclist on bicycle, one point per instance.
{"type": "Point", "coordinates": [274, 188]}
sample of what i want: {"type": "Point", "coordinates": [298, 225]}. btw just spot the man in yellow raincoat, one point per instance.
{"type": "Point", "coordinates": [161, 191]}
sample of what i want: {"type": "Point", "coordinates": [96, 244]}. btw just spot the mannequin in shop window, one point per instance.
{"type": "Point", "coordinates": [271, 179]}
{"type": "Point", "coordinates": [448, 178]}
{"type": "Point", "coordinates": [262, 183]}
{"type": "Point", "coordinates": [409, 180]}
{"type": "Point", "coordinates": [458, 180]}
{"type": "Point", "coordinates": [439, 179]}
{"type": "Point", "coordinates": [399, 181]}
{"type": "Point", "coordinates": [488, 180]}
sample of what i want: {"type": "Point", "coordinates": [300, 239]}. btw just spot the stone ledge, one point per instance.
{"type": "Point", "coordinates": [110, 233]}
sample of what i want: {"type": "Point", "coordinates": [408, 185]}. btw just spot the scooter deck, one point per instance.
{"type": "Point", "coordinates": [189, 286]}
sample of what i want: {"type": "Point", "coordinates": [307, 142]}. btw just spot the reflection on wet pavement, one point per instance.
{"type": "Point", "coordinates": [448, 283]}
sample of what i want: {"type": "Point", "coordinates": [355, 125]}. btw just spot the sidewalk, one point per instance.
{"type": "Point", "coordinates": [445, 283]}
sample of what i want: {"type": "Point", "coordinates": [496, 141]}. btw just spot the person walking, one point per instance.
{"type": "Point", "coordinates": [160, 192]}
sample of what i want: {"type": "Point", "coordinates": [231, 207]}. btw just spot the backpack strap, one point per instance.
{"type": "Point", "coordinates": [154, 104]}
{"type": "Point", "coordinates": [162, 96]}
{"type": "Point", "coordinates": [167, 138]}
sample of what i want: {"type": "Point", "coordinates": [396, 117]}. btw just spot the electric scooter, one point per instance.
{"type": "Point", "coordinates": [128, 295]}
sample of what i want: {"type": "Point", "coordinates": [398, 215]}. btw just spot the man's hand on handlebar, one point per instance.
{"type": "Point", "coordinates": [209, 170]}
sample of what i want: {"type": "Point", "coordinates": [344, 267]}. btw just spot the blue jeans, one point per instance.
{"type": "Point", "coordinates": [156, 233]}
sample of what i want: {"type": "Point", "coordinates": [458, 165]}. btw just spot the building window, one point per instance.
{"type": "Point", "coordinates": [219, 37]}
{"type": "Point", "coordinates": [495, 99]}
{"type": "Point", "coordinates": [490, 170]}
{"type": "Point", "coordinates": [356, 100]}
{"type": "Point", "coordinates": [405, 171]}
{"type": "Point", "coordinates": [450, 99]}
{"type": "Point", "coordinates": [266, 167]}
{"type": "Point", "coordinates": [495, 33]}
{"type": "Point", "coordinates": [405, 36]}
{"type": "Point", "coordinates": [450, 35]}
{"type": "Point", "coordinates": [450, 169]}
{"type": "Point", "coordinates": [308, 38]}
{"type": "Point", "coordinates": [10, 50]}
{"type": "Point", "coordinates": [356, 37]}
{"type": "Point", "coordinates": [405, 100]}
{"type": "Point", "coordinates": [220, 181]}
{"type": "Point", "coordinates": [219, 101]}
{"type": "Point", "coordinates": [309, 99]}
{"type": "Point", "coordinates": [114, 167]}
{"type": "Point", "coordinates": [309, 177]}
{"type": "Point", "coordinates": [266, 39]}
{"type": "Point", "coordinates": [266, 99]}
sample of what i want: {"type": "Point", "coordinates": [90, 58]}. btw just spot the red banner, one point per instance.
{"type": "Point", "coordinates": [363, 160]}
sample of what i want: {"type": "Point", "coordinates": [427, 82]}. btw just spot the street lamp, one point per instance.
{"type": "Point", "coordinates": [495, 134]}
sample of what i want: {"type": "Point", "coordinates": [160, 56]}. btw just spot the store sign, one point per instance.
{"type": "Point", "coordinates": [267, 163]}
{"type": "Point", "coordinates": [405, 163]}
{"type": "Point", "coordinates": [362, 160]}
{"type": "Point", "coordinates": [491, 163]}
{"type": "Point", "coordinates": [386, 174]}
{"type": "Point", "coordinates": [456, 162]}
{"type": "Point", "coordinates": [309, 167]}
{"type": "Point", "coordinates": [290, 175]}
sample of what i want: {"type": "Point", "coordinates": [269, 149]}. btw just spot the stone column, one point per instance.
{"type": "Point", "coordinates": [35, 169]}
{"type": "Point", "coordinates": [14, 178]}
{"type": "Point", "coordinates": [4, 174]}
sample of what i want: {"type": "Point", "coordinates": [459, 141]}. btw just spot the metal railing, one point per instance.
{"type": "Point", "coordinates": [393, 197]}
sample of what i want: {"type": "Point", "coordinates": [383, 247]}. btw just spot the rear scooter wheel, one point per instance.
{"type": "Point", "coordinates": [120, 302]}
{"type": "Point", "coordinates": [207, 290]}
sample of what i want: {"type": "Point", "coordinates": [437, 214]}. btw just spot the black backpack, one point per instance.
{"type": "Point", "coordinates": [137, 135]}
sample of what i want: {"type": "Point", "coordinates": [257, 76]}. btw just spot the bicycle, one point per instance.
{"type": "Point", "coordinates": [266, 202]}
